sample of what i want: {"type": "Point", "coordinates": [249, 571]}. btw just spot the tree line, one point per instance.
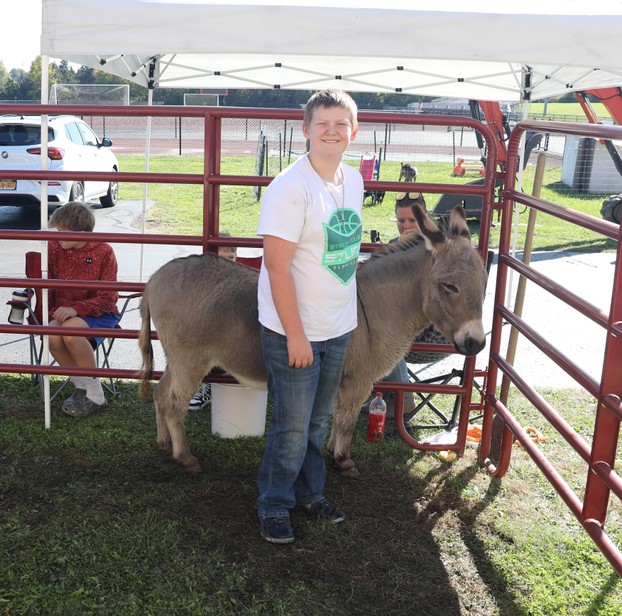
{"type": "Point", "coordinates": [18, 85]}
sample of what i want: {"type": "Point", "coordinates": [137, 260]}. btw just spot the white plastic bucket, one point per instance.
{"type": "Point", "coordinates": [238, 410]}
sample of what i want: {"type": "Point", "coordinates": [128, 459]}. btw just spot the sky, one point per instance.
{"type": "Point", "coordinates": [21, 33]}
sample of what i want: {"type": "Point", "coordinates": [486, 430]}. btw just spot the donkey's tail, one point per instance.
{"type": "Point", "coordinates": [146, 349]}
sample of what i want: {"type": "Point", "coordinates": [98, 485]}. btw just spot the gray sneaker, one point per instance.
{"type": "Point", "coordinates": [76, 396]}
{"type": "Point", "coordinates": [82, 407]}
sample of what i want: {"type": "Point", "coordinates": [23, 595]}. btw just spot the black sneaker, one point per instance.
{"type": "Point", "coordinates": [201, 398]}
{"type": "Point", "coordinates": [324, 511]}
{"type": "Point", "coordinates": [277, 530]}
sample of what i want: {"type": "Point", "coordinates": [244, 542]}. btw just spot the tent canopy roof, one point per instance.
{"type": "Point", "coordinates": [486, 51]}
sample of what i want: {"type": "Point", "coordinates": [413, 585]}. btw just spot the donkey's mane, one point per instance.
{"type": "Point", "coordinates": [398, 246]}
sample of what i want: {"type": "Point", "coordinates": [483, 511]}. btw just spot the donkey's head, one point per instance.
{"type": "Point", "coordinates": [456, 282]}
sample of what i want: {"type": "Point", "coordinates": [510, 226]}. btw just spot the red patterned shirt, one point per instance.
{"type": "Point", "coordinates": [94, 261]}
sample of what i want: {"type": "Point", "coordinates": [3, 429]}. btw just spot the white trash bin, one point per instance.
{"type": "Point", "coordinates": [238, 410]}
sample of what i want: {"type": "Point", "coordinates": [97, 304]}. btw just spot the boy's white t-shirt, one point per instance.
{"type": "Point", "coordinates": [325, 223]}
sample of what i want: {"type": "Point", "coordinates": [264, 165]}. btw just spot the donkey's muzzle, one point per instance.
{"type": "Point", "coordinates": [470, 345]}
{"type": "Point", "coordinates": [470, 338]}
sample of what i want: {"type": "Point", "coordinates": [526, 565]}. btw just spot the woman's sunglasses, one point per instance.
{"type": "Point", "coordinates": [411, 195]}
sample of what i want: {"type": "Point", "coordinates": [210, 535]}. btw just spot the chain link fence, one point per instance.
{"type": "Point", "coordinates": [576, 167]}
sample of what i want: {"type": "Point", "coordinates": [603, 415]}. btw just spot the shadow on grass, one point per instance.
{"type": "Point", "coordinates": [94, 518]}
{"type": "Point", "coordinates": [96, 495]}
{"type": "Point", "coordinates": [565, 191]}
{"type": "Point", "coordinates": [586, 246]}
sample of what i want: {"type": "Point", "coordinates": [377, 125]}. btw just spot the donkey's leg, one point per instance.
{"type": "Point", "coordinates": [160, 395]}
{"type": "Point", "coordinates": [171, 398]}
{"type": "Point", "coordinates": [344, 421]}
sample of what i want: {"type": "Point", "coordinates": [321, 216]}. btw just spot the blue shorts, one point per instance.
{"type": "Point", "coordinates": [108, 319]}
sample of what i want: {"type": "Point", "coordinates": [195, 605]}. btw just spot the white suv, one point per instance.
{"type": "Point", "coordinates": [72, 146]}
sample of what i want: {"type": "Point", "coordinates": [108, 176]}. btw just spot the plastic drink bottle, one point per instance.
{"type": "Point", "coordinates": [377, 419]}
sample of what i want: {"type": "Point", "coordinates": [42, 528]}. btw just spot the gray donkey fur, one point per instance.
{"type": "Point", "coordinates": [429, 279]}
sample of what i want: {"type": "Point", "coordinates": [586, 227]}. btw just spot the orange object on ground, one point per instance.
{"type": "Point", "coordinates": [463, 166]}
{"type": "Point", "coordinates": [537, 436]}
{"type": "Point", "coordinates": [474, 434]}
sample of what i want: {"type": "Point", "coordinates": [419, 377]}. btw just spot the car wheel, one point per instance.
{"type": "Point", "coordinates": [612, 208]}
{"type": "Point", "coordinates": [77, 192]}
{"type": "Point", "coordinates": [112, 196]}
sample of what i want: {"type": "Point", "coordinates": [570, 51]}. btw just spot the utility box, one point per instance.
{"type": "Point", "coordinates": [587, 167]}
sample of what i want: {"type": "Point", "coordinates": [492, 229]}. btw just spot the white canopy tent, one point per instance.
{"type": "Point", "coordinates": [483, 49]}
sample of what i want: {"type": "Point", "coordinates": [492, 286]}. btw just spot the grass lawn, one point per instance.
{"type": "Point", "coordinates": [178, 208]}
{"type": "Point", "coordinates": [95, 520]}
{"type": "Point", "coordinates": [566, 109]}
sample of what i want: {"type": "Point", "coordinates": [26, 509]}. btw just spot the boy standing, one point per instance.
{"type": "Point", "coordinates": [311, 226]}
{"type": "Point", "coordinates": [80, 260]}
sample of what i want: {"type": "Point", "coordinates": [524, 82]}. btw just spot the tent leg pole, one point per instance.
{"type": "Point", "coordinates": [145, 186]}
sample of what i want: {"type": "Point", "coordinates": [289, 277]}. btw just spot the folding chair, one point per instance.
{"type": "Point", "coordinates": [33, 311]}
{"type": "Point", "coordinates": [445, 421]}
{"type": "Point", "coordinates": [254, 262]}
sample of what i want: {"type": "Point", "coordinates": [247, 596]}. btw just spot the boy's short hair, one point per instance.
{"type": "Point", "coordinates": [331, 97]}
{"type": "Point", "coordinates": [73, 216]}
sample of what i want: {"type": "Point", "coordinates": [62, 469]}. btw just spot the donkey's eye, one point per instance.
{"type": "Point", "coordinates": [450, 288]}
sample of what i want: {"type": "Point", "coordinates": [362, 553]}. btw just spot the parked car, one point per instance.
{"type": "Point", "coordinates": [72, 146]}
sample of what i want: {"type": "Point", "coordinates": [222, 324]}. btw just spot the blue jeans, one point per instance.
{"type": "Point", "coordinates": [399, 374]}
{"type": "Point", "coordinates": [293, 470]}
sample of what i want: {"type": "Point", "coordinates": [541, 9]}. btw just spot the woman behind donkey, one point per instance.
{"type": "Point", "coordinates": [429, 279]}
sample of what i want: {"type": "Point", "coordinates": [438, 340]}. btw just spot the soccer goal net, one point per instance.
{"type": "Point", "coordinates": [204, 100]}
{"type": "Point", "coordinates": [90, 94]}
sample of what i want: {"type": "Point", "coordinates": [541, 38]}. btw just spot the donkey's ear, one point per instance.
{"type": "Point", "coordinates": [432, 235]}
{"type": "Point", "coordinates": [457, 223]}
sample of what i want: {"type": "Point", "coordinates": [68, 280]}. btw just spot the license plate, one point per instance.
{"type": "Point", "coordinates": [8, 184]}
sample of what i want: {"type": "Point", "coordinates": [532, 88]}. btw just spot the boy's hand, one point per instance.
{"type": "Point", "coordinates": [300, 352]}
{"type": "Point", "coordinates": [63, 313]}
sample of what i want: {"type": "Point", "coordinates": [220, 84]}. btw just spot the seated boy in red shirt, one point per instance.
{"type": "Point", "coordinates": [80, 260]}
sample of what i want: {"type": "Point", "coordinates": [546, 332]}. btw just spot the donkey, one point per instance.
{"type": "Point", "coordinates": [427, 279]}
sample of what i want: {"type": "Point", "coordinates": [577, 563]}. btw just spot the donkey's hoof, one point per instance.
{"type": "Point", "coordinates": [346, 468]}
{"type": "Point", "coordinates": [351, 472]}
{"type": "Point", "coordinates": [165, 446]}
{"type": "Point", "coordinates": [191, 465]}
